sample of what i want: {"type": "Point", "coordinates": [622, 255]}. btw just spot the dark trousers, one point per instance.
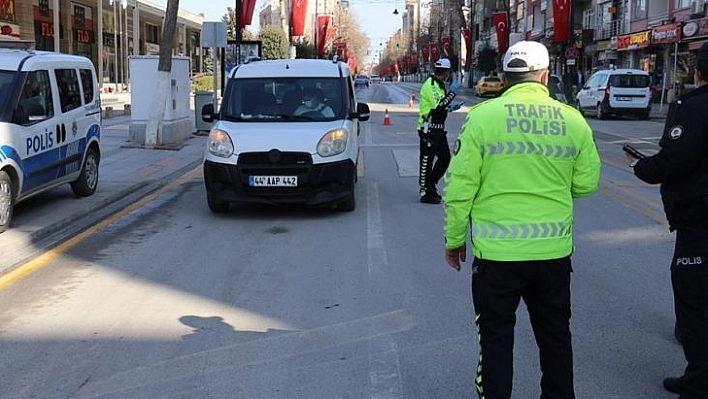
{"type": "Point", "coordinates": [497, 288]}
{"type": "Point", "coordinates": [434, 160]}
{"type": "Point", "coordinates": [689, 279]}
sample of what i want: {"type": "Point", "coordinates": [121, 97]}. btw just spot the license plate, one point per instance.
{"type": "Point", "coordinates": [272, 181]}
{"type": "Point", "coordinates": [624, 99]}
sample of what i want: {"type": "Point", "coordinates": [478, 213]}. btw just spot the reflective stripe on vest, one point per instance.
{"type": "Point", "coordinates": [522, 231]}
{"type": "Point", "coordinates": [529, 147]}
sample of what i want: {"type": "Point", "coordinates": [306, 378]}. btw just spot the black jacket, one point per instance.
{"type": "Point", "coordinates": [681, 166]}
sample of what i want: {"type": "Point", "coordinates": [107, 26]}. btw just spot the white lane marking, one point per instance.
{"type": "Point", "coordinates": [384, 363]}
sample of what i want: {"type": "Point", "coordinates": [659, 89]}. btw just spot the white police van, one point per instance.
{"type": "Point", "coordinates": [286, 133]}
{"type": "Point", "coordinates": [616, 91]}
{"type": "Point", "coordinates": [50, 124]}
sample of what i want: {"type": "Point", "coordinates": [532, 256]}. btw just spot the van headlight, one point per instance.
{"type": "Point", "coordinates": [332, 143]}
{"type": "Point", "coordinates": [219, 143]}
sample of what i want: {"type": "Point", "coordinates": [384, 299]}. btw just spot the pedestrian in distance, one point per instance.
{"type": "Point", "coordinates": [681, 168]}
{"type": "Point", "coordinates": [435, 103]}
{"type": "Point", "coordinates": [520, 160]}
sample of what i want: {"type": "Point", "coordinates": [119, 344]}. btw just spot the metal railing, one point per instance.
{"type": "Point", "coordinates": [608, 29]}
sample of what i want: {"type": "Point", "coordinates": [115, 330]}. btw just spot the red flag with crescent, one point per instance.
{"type": "Point", "coordinates": [424, 50]}
{"type": "Point", "coordinates": [322, 24]}
{"type": "Point", "coordinates": [247, 8]}
{"type": "Point", "coordinates": [297, 16]}
{"type": "Point", "coordinates": [466, 34]}
{"type": "Point", "coordinates": [434, 56]}
{"type": "Point", "coordinates": [446, 46]}
{"type": "Point", "coordinates": [561, 20]}
{"type": "Point", "coordinates": [500, 19]}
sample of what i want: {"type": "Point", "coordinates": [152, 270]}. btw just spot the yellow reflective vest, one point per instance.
{"type": "Point", "coordinates": [519, 161]}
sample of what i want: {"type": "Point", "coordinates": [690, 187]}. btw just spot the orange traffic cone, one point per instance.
{"type": "Point", "coordinates": [387, 118]}
{"type": "Point", "coordinates": [410, 102]}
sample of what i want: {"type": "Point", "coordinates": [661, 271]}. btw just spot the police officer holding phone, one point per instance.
{"type": "Point", "coordinates": [435, 103]}
{"type": "Point", "coordinates": [681, 167]}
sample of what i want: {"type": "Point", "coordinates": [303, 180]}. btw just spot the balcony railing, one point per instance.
{"type": "Point", "coordinates": [608, 29]}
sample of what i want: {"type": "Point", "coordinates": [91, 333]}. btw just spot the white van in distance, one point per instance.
{"type": "Point", "coordinates": [50, 124]}
{"type": "Point", "coordinates": [616, 92]}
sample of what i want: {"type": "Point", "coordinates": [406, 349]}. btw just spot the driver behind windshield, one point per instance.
{"type": "Point", "coordinates": [313, 101]}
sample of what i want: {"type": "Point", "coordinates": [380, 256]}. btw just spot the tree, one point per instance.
{"type": "Point", "coordinates": [487, 60]}
{"type": "Point", "coordinates": [275, 44]}
{"type": "Point", "coordinates": [305, 49]}
{"type": "Point", "coordinates": [230, 19]}
{"type": "Point", "coordinates": [153, 130]}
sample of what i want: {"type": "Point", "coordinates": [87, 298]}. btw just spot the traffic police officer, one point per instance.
{"type": "Point", "coordinates": [520, 160]}
{"type": "Point", "coordinates": [435, 103]}
{"type": "Point", "coordinates": [681, 167]}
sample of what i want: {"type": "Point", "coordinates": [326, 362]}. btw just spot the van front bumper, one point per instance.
{"type": "Point", "coordinates": [317, 184]}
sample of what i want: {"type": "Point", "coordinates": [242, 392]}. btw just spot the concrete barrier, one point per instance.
{"type": "Point", "coordinates": [108, 114]}
{"type": "Point", "coordinates": [126, 109]}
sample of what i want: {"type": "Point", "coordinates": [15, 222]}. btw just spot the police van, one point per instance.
{"type": "Point", "coordinates": [286, 133]}
{"type": "Point", "coordinates": [50, 124]}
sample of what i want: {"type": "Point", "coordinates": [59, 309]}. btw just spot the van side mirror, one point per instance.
{"type": "Point", "coordinates": [208, 113]}
{"type": "Point", "coordinates": [362, 112]}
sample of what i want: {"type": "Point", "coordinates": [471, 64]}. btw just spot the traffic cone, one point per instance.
{"type": "Point", "coordinates": [410, 102]}
{"type": "Point", "coordinates": [387, 118]}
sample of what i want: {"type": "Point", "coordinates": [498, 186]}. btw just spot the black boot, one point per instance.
{"type": "Point", "coordinates": [430, 198]}
{"type": "Point", "coordinates": [673, 384]}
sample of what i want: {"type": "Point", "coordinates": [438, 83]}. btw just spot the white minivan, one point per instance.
{"type": "Point", "coordinates": [50, 124]}
{"type": "Point", "coordinates": [620, 91]}
{"type": "Point", "coordinates": [286, 132]}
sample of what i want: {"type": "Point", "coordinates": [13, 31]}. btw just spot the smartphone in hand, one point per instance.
{"type": "Point", "coordinates": [633, 152]}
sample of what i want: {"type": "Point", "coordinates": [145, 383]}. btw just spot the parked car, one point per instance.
{"type": "Point", "coordinates": [488, 85]}
{"type": "Point", "coordinates": [50, 124]}
{"type": "Point", "coordinates": [618, 92]}
{"type": "Point", "coordinates": [375, 79]}
{"type": "Point", "coordinates": [361, 80]}
{"type": "Point", "coordinates": [272, 143]}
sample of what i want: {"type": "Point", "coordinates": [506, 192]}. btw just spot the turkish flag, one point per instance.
{"type": "Point", "coordinates": [434, 56]}
{"type": "Point", "coordinates": [322, 24]}
{"type": "Point", "coordinates": [414, 59]}
{"type": "Point", "coordinates": [247, 8]}
{"type": "Point", "coordinates": [446, 46]}
{"type": "Point", "coordinates": [297, 17]}
{"type": "Point", "coordinates": [561, 20]}
{"type": "Point", "coordinates": [500, 19]}
{"type": "Point", "coordinates": [466, 34]}
{"type": "Point", "coordinates": [424, 50]}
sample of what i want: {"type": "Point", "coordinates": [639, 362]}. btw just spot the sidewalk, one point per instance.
{"type": "Point", "coordinates": [125, 175]}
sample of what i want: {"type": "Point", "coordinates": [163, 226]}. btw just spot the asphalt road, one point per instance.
{"type": "Point", "coordinates": [170, 300]}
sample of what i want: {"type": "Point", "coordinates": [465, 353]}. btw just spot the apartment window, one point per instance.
{"type": "Point", "coordinates": [640, 9]}
{"type": "Point", "coordinates": [151, 34]}
{"type": "Point", "coordinates": [589, 19]}
{"type": "Point", "coordinates": [684, 3]}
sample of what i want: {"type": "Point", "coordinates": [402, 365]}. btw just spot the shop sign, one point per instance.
{"type": "Point", "coordinates": [666, 34]}
{"type": "Point", "coordinates": [633, 41]}
{"type": "Point", "coordinates": [695, 28]}
{"type": "Point", "coordinates": [9, 31]}
{"type": "Point", "coordinates": [603, 45]}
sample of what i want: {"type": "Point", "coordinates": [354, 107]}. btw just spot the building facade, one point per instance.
{"type": "Point", "coordinates": [105, 31]}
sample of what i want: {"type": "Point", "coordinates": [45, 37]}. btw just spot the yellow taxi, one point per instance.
{"type": "Point", "coordinates": [488, 85]}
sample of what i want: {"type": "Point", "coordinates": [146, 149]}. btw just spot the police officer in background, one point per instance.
{"type": "Point", "coordinates": [519, 161]}
{"type": "Point", "coordinates": [435, 103]}
{"type": "Point", "coordinates": [681, 167]}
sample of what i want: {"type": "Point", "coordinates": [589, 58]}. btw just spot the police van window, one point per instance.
{"type": "Point", "coordinates": [87, 83]}
{"type": "Point", "coordinates": [633, 81]}
{"type": "Point", "coordinates": [69, 93]}
{"type": "Point", "coordinates": [35, 102]}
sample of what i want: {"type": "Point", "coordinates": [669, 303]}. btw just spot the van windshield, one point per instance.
{"type": "Point", "coordinates": [285, 99]}
{"type": "Point", "coordinates": [629, 81]}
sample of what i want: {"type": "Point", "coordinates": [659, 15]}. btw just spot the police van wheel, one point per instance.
{"type": "Point", "coordinates": [6, 201]}
{"type": "Point", "coordinates": [349, 203]}
{"type": "Point", "coordinates": [87, 182]}
{"type": "Point", "coordinates": [599, 112]}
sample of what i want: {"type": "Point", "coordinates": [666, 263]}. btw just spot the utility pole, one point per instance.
{"type": "Point", "coordinates": [153, 131]}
